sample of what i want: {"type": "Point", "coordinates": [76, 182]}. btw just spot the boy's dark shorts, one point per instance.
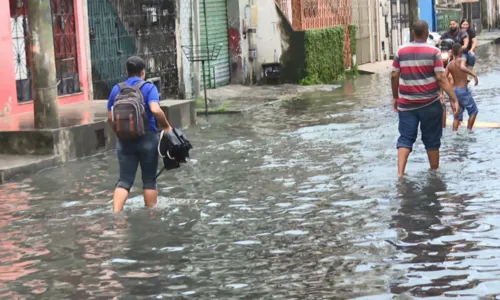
{"type": "Point", "coordinates": [466, 101]}
{"type": "Point", "coordinates": [430, 119]}
{"type": "Point", "coordinates": [143, 153]}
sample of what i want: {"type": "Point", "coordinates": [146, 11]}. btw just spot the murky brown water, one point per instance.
{"type": "Point", "coordinates": [298, 202]}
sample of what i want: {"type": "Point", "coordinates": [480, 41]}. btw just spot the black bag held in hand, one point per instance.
{"type": "Point", "coordinates": [173, 148]}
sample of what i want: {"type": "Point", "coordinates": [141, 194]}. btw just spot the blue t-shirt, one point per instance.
{"type": "Point", "coordinates": [150, 93]}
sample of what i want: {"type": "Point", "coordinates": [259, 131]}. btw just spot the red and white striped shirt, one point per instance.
{"type": "Point", "coordinates": [417, 64]}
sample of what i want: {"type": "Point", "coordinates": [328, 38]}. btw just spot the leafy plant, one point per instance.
{"type": "Point", "coordinates": [352, 38]}
{"type": "Point", "coordinates": [324, 55]}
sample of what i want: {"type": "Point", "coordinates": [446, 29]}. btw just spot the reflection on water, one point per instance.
{"type": "Point", "coordinates": [305, 208]}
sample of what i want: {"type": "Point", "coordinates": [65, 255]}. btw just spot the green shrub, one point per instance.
{"type": "Point", "coordinates": [352, 37]}
{"type": "Point", "coordinates": [324, 55]}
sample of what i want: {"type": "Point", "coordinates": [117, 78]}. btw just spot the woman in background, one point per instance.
{"type": "Point", "coordinates": [469, 53]}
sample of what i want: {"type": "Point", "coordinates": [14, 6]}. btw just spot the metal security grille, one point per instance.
{"type": "Point", "coordinates": [472, 10]}
{"type": "Point", "coordinates": [122, 28]}
{"type": "Point", "coordinates": [65, 46]}
{"type": "Point", "coordinates": [404, 18]}
{"type": "Point", "coordinates": [400, 19]}
{"type": "Point", "coordinates": [21, 44]}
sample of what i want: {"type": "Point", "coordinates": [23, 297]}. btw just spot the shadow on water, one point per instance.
{"type": "Point", "coordinates": [296, 202]}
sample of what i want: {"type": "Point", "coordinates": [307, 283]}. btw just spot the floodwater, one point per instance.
{"type": "Point", "coordinates": [297, 202]}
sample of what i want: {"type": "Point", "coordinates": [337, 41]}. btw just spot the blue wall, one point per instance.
{"type": "Point", "coordinates": [428, 13]}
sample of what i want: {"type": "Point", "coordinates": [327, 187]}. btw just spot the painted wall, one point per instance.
{"type": "Point", "coordinates": [293, 56]}
{"type": "Point", "coordinates": [427, 12]}
{"type": "Point", "coordinates": [384, 28]}
{"type": "Point", "coordinates": [492, 12]}
{"type": "Point", "coordinates": [236, 55]}
{"type": "Point", "coordinates": [8, 93]}
{"type": "Point", "coordinates": [265, 39]}
{"type": "Point", "coordinates": [268, 36]}
{"type": "Point", "coordinates": [184, 28]}
{"type": "Point", "coordinates": [497, 13]}
{"type": "Point", "coordinates": [8, 96]}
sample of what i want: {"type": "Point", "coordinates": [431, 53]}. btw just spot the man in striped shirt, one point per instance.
{"type": "Point", "coordinates": [417, 76]}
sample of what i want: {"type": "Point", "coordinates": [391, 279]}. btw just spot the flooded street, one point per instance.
{"type": "Point", "coordinates": [296, 202]}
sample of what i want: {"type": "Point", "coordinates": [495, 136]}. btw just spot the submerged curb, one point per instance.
{"type": "Point", "coordinates": [273, 102]}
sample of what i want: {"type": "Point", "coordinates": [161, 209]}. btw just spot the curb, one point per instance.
{"type": "Point", "coordinates": [201, 112]}
{"type": "Point", "coordinates": [489, 42]}
{"type": "Point", "coordinates": [7, 175]}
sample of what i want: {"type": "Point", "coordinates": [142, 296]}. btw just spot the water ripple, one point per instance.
{"type": "Point", "coordinates": [305, 208]}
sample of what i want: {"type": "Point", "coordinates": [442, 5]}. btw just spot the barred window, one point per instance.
{"type": "Point", "coordinates": [65, 48]}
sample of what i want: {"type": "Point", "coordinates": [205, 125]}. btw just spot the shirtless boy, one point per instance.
{"type": "Point", "coordinates": [443, 103]}
{"type": "Point", "coordinates": [459, 72]}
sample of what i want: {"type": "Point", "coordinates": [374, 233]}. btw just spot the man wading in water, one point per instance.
{"type": "Point", "coordinates": [133, 110]}
{"type": "Point", "coordinates": [459, 71]}
{"type": "Point", "coordinates": [417, 75]}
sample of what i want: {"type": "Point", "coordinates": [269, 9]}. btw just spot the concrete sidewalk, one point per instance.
{"type": "Point", "coordinates": [485, 38]}
{"type": "Point", "coordinates": [83, 132]}
{"type": "Point", "coordinates": [241, 98]}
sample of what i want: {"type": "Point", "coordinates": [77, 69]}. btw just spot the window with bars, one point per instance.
{"type": "Point", "coordinates": [21, 45]}
{"type": "Point", "coordinates": [65, 48]}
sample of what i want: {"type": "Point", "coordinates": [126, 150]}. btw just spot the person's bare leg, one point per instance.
{"type": "Point", "coordinates": [120, 195]}
{"type": "Point", "coordinates": [470, 123]}
{"type": "Point", "coordinates": [150, 198]}
{"type": "Point", "coordinates": [456, 123]}
{"type": "Point", "coordinates": [433, 156]}
{"type": "Point", "coordinates": [403, 154]}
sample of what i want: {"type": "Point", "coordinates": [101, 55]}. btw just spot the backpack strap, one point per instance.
{"type": "Point", "coordinates": [139, 86]}
{"type": "Point", "coordinates": [122, 85]}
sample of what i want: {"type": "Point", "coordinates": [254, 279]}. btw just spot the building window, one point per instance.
{"type": "Point", "coordinates": [21, 45]}
{"type": "Point", "coordinates": [65, 48]}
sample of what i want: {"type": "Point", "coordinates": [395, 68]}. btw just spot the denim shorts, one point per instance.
{"type": "Point", "coordinates": [466, 101]}
{"type": "Point", "coordinates": [430, 118]}
{"type": "Point", "coordinates": [471, 59]}
{"type": "Point", "coordinates": [132, 153]}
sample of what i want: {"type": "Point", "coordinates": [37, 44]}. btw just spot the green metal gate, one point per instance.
{"type": "Point", "coordinates": [214, 31]}
{"type": "Point", "coordinates": [122, 28]}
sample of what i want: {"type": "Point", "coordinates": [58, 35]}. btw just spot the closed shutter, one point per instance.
{"type": "Point", "coordinates": [214, 30]}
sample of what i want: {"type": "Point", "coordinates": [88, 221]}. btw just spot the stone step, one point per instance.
{"type": "Point", "coordinates": [13, 165]}
{"type": "Point", "coordinates": [180, 113]}
{"type": "Point", "coordinates": [67, 142]}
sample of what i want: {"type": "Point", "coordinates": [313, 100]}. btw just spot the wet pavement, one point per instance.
{"type": "Point", "coordinates": [297, 202]}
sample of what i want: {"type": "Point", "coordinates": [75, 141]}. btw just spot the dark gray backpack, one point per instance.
{"type": "Point", "coordinates": [130, 119]}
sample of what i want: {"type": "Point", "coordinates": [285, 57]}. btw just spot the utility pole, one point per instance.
{"type": "Point", "coordinates": [196, 41]}
{"type": "Point", "coordinates": [413, 15]}
{"type": "Point", "coordinates": [45, 99]}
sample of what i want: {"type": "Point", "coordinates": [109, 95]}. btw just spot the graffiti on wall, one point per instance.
{"type": "Point", "coordinates": [235, 50]}
{"type": "Point", "coordinates": [444, 16]}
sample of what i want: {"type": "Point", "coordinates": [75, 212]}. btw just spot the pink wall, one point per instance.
{"type": "Point", "coordinates": [8, 94]}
